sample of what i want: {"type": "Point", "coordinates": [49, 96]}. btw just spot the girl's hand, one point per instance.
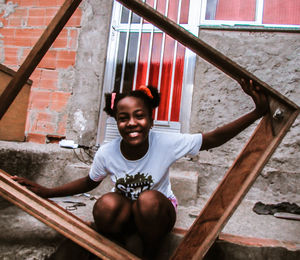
{"type": "Point", "coordinates": [257, 95]}
{"type": "Point", "coordinates": [34, 187]}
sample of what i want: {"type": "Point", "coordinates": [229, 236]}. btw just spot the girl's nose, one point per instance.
{"type": "Point", "coordinates": [132, 121]}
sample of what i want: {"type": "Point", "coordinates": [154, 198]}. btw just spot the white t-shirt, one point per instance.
{"type": "Point", "coordinates": [149, 172]}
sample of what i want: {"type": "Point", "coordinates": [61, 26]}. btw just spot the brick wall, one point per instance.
{"type": "Point", "coordinates": [47, 114]}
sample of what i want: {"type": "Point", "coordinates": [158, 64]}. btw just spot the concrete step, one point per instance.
{"type": "Point", "coordinates": [23, 236]}
{"type": "Point", "coordinates": [248, 235]}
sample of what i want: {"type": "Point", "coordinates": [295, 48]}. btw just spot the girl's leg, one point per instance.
{"type": "Point", "coordinates": [112, 213]}
{"type": "Point", "coordinates": [155, 216]}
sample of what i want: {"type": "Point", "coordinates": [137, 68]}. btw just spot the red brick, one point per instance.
{"type": "Point", "coordinates": [75, 19]}
{"type": "Point", "coordinates": [44, 117]}
{"type": "Point", "coordinates": [49, 60]}
{"type": "Point", "coordinates": [18, 18]}
{"type": "Point", "coordinates": [27, 3]}
{"type": "Point", "coordinates": [16, 21]}
{"type": "Point", "coordinates": [50, 13]}
{"type": "Point", "coordinates": [40, 100]}
{"type": "Point", "coordinates": [48, 3]}
{"type": "Point", "coordinates": [11, 56]}
{"type": "Point", "coordinates": [8, 36]}
{"type": "Point", "coordinates": [48, 79]}
{"type": "Point", "coordinates": [65, 59]}
{"type": "Point", "coordinates": [17, 2]}
{"type": "Point", "coordinates": [19, 12]}
{"type": "Point", "coordinates": [27, 37]}
{"type": "Point", "coordinates": [36, 17]}
{"type": "Point", "coordinates": [61, 129]}
{"type": "Point", "coordinates": [59, 101]}
{"type": "Point", "coordinates": [62, 40]}
{"type": "Point", "coordinates": [44, 123]}
{"type": "Point", "coordinates": [60, 2]}
{"type": "Point", "coordinates": [36, 138]}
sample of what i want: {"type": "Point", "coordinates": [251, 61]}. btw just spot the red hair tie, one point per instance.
{"type": "Point", "coordinates": [146, 91]}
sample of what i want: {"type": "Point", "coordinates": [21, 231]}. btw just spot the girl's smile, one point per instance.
{"type": "Point", "coordinates": [134, 123]}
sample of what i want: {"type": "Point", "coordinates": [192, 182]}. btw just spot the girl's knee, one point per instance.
{"type": "Point", "coordinates": [111, 209]}
{"type": "Point", "coordinates": [107, 203]}
{"type": "Point", "coordinates": [150, 202]}
{"type": "Point", "coordinates": [154, 214]}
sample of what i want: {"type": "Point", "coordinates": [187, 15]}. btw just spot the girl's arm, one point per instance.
{"type": "Point", "coordinates": [81, 185]}
{"type": "Point", "coordinates": [223, 134]}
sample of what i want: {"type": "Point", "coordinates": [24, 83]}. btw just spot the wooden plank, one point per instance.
{"type": "Point", "coordinates": [37, 53]}
{"type": "Point", "coordinates": [12, 125]}
{"type": "Point", "coordinates": [198, 46]}
{"type": "Point", "coordinates": [233, 188]}
{"type": "Point", "coordinates": [61, 220]}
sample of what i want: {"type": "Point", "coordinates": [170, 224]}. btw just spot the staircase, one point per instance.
{"type": "Point", "coordinates": [247, 235]}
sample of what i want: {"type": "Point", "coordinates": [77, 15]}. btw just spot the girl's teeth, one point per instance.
{"type": "Point", "coordinates": [134, 134]}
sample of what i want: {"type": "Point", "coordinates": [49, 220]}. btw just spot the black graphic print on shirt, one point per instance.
{"type": "Point", "coordinates": [133, 185]}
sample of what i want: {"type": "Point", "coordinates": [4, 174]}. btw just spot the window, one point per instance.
{"type": "Point", "coordinates": [267, 13]}
{"type": "Point", "coordinates": [141, 54]}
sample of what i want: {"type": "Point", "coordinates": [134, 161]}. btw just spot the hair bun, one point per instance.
{"type": "Point", "coordinates": [156, 96]}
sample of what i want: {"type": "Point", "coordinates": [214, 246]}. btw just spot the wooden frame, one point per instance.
{"type": "Point", "coordinates": [246, 167]}
{"type": "Point", "coordinates": [61, 220]}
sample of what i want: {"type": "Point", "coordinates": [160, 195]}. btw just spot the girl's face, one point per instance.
{"type": "Point", "coordinates": [134, 121]}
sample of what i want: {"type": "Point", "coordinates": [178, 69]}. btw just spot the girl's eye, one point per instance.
{"type": "Point", "coordinates": [140, 116]}
{"type": "Point", "coordinates": [122, 118]}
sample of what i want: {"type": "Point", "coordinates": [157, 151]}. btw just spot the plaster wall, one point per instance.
{"type": "Point", "coordinates": [217, 99]}
{"type": "Point", "coordinates": [86, 77]}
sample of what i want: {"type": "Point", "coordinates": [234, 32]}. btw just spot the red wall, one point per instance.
{"type": "Point", "coordinates": [47, 114]}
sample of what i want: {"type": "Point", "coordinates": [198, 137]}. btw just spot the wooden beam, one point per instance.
{"type": "Point", "coordinates": [233, 188]}
{"type": "Point", "coordinates": [37, 53]}
{"type": "Point", "coordinates": [198, 46]}
{"type": "Point", "coordinates": [61, 220]}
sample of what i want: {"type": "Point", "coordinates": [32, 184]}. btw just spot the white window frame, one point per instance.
{"type": "Point", "coordinates": [107, 129]}
{"type": "Point", "coordinates": [258, 23]}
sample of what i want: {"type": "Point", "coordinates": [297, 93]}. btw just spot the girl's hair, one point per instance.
{"type": "Point", "coordinates": [148, 94]}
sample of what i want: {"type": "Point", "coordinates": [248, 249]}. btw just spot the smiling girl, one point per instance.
{"type": "Point", "coordinates": [138, 162]}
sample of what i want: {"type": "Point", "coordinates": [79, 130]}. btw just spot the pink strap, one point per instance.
{"type": "Point", "coordinates": [113, 97]}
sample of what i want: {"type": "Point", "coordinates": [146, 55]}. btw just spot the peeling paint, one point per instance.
{"type": "Point", "coordinates": [79, 121]}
